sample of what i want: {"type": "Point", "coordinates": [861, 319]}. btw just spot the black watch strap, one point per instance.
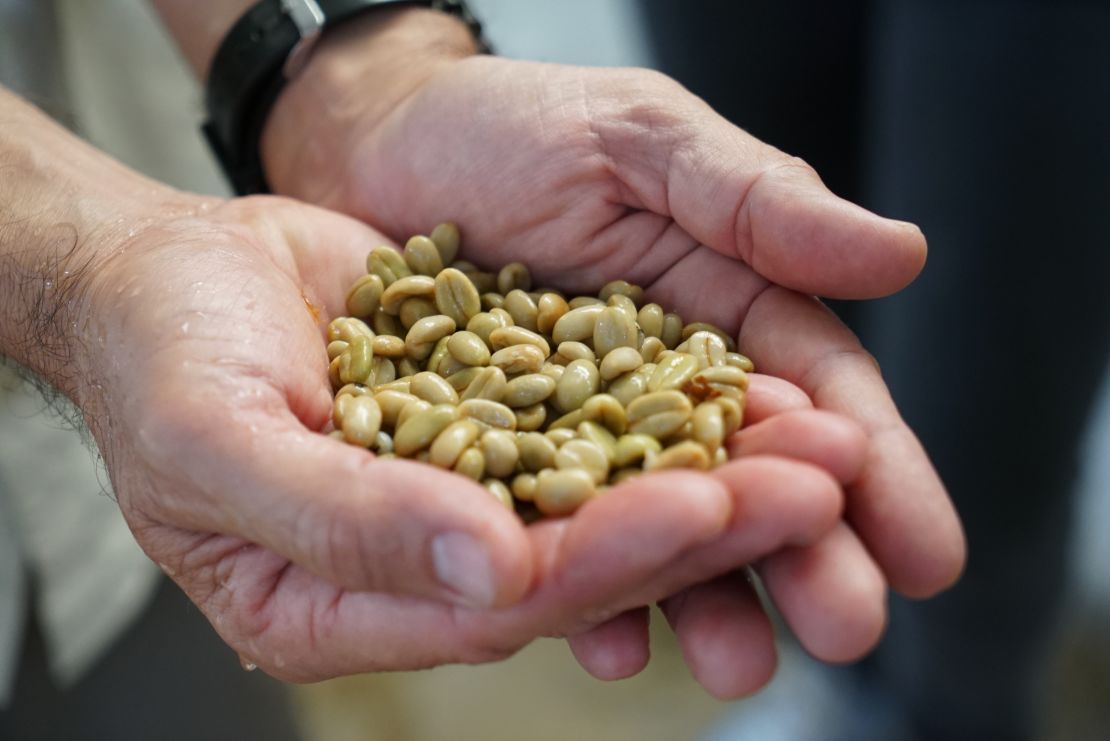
{"type": "Point", "coordinates": [261, 52]}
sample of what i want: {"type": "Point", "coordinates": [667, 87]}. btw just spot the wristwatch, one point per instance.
{"type": "Point", "coordinates": [266, 48]}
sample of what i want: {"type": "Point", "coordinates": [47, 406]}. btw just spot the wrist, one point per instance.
{"type": "Point", "coordinates": [357, 75]}
{"type": "Point", "coordinates": [67, 209]}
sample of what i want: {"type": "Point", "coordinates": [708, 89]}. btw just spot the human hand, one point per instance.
{"type": "Point", "coordinates": [587, 175]}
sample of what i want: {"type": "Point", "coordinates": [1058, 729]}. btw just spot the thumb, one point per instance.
{"type": "Point", "coordinates": [360, 522]}
{"type": "Point", "coordinates": [750, 201]}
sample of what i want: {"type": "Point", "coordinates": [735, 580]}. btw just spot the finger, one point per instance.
{"type": "Point", "coordinates": [822, 438]}
{"type": "Point", "coordinates": [831, 594]}
{"type": "Point", "coordinates": [750, 201]}
{"type": "Point", "coordinates": [775, 502]}
{"type": "Point", "coordinates": [616, 649]}
{"type": "Point", "coordinates": [768, 396]}
{"type": "Point", "coordinates": [898, 505]}
{"type": "Point", "coordinates": [725, 636]}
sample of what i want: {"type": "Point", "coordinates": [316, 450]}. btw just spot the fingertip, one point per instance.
{"type": "Point", "coordinates": [828, 440]}
{"type": "Point", "coordinates": [616, 649]}
{"type": "Point", "coordinates": [771, 395]}
{"type": "Point", "coordinates": [935, 571]}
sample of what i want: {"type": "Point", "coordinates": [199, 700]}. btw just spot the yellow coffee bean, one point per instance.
{"type": "Point", "coordinates": [686, 454]}
{"type": "Point", "coordinates": [468, 348]}
{"type": "Point", "coordinates": [709, 425]}
{"type": "Point", "coordinates": [607, 411]}
{"type": "Point", "coordinates": [489, 413]}
{"type": "Point", "coordinates": [524, 487]}
{"type": "Point", "coordinates": [613, 329]}
{"type": "Point", "coordinates": [576, 351]}
{"type": "Point", "coordinates": [673, 371]}
{"type": "Point", "coordinates": [451, 442]}
{"type": "Point", "coordinates": [388, 346]}
{"type": "Point", "coordinates": [562, 492]}
{"type": "Point", "coordinates": [619, 361]}
{"type": "Point", "coordinates": [488, 384]}
{"type": "Point", "coordinates": [650, 319]}
{"type": "Point", "coordinates": [632, 448]}
{"type": "Point", "coordinates": [527, 390]}
{"type": "Point", "coordinates": [537, 451]}
{"type": "Point", "coordinates": [623, 288]}
{"type": "Point", "coordinates": [485, 322]}
{"type": "Point", "coordinates": [517, 359]}
{"type": "Point", "coordinates": [599, 436]}
{"type": "Point", "coordinates": [501, 452]}
{"type": "Point", "coordinates": [509, 336]}
{"type": "Point", "coordinates": [500, 492]}
{"type": "Point", "coordinates": [585, 455]}
{"type": "Point", "coordinates": [391, 403]}
{"type": "Point", "coordinates": [707, 347]}
{"type": "Point", "coordinates": [659, 413]}
{"type": "Point", "coordinates": [743, 362]}
{"type": "Point", "coordinates": [472, 464]}
{"type": "Point", "coordinates": [432, 388]}
{"type": "Point", "coordinates": [549, 309]}
{"type": "Point", "coordinates": [577, 324]}
{"type": "Point", "coordinates": [522, 309]}
{"type": "Point", "coordinates": [461, 379]}
{"type": "Point", "coordinates": [580, 381]}
{"type": "Point", "coordinates": [689, 330]}
{"type": "Point", "coordinates": [362, 419]}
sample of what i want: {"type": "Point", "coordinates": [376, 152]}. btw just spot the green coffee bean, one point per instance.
{"type": "Point", "coordinates": [414, 309]}
{"type": "Point", "coordinates": [530, 417]}
{"type": "Point", "coordinates": [346, 328]}
{"type": "Point", "coordinates": [365, 295]}
{"type": "Point", "coordinates": [446, 239]}
{"type": "Point", "coordinates": [387, 264]}
{"type": "Point", "coordinates": [514, 276]}
{"type": "Point", "coordinates": [537, 451]}
{"type": "Point", "coordinates": [413, 286]}
{"type": "Point", "coordinates": [422, 256]}
{"type": "Point", "coordinates": [472, 464]}
{"type": "Point", "coordinates": [709, 425]}
{"type": "Point", "coordinates": [336, 348]}
{"type": "Point", "coordinates": [456, 296]}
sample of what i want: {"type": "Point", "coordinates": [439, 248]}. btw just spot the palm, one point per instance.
{"type": "Point", "coordinates": [306, 554]}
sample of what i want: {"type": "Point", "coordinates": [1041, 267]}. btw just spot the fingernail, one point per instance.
{"type": "Point", "coordinates": [462, 565]}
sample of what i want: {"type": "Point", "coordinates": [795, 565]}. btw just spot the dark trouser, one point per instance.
{"type": "Point", "coordinates": [987, 123]}
{"type": "Point", "coordinates": [169, 678]}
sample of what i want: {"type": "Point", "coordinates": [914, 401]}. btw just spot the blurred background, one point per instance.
{"type": "Point", "coordinates": [988, 123]}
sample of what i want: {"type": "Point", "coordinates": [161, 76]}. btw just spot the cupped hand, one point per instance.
{"type": "Point", "coordinates": [588, 175]}
{"type": "Point", "coordinates": [311, 557]}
